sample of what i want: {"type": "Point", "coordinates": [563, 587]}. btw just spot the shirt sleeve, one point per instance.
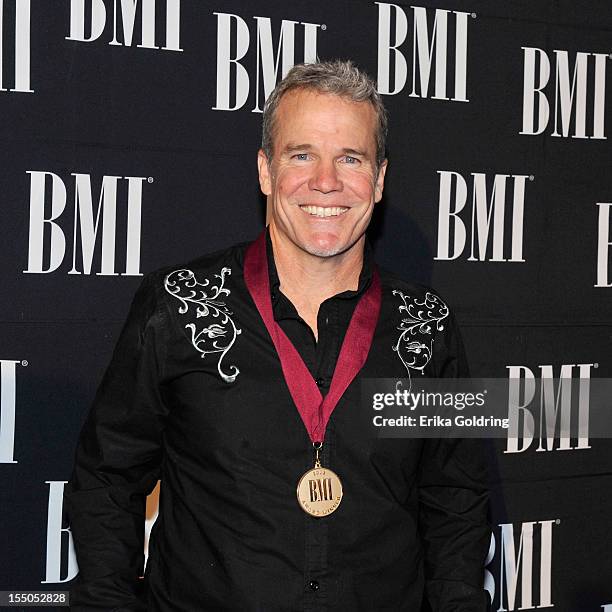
{"type": "Point", "coordinates": [453, 502]}
{"type": "Point", "coordinates": [118, 464]}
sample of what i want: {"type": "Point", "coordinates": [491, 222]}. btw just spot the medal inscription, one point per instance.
{"type": "Point", "coordinates": [319, 492]}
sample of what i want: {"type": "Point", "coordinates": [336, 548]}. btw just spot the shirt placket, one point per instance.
{"type": "Point", "coordinates": [316, 561]}
{"type": "Point", "coordinates": [317, 538]}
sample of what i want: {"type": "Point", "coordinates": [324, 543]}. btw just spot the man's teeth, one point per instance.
{"type": "Point", "coordinates": [325, 211]}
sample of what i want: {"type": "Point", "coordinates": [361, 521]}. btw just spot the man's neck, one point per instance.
{"type": "Point", "coordinates": [308, 280]}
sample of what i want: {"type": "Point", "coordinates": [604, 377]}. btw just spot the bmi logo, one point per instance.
{"type": "Point", "coordinates": [19, 11]}
{"type": "Point", "coordinates": [430, 42]}
{"type": "Point", "coordinates": [320, 489]}
{"type": "Point", "coordinates": [495, 233]}
{"type": "Point", "coordinates": [8, 395]}
{"type": "Point", "coordinates": [604, 241]}
{"type": "Point", "coordinates": [233, 43]}
{"type": "Point", "coordinates": [60, 546]}
{"type": "Point", "coordinates": [125, 14]}
{"type": "Point", "coordinates": [555, 407]}
{"type": "Point", "coordinates": [574, 91]}
{"type": "Point", "coordinates": [510, 563]}
{"type": "Point", "coordinates": [87, 224]}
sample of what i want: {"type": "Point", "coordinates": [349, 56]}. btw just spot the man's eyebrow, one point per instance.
{"type": "Point", "coordinates": [291, 147]}
{"type": "Point", "coordinates": [355, 152]}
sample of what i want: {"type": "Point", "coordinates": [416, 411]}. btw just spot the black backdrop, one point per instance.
{"type": "Point", "coordinates": [158, 98]}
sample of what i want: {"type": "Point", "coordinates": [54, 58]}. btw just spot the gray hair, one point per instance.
{"type": "Point", "coordinates": [340, 78]}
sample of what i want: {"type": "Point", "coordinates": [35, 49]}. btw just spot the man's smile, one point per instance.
{"type": "Point", "coordinates": [324, 211]}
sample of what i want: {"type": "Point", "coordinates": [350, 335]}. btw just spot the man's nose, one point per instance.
{"type": "Point", "coordinates": [325, 178]}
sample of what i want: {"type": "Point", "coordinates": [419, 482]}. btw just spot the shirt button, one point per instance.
{"type": "Point", "coordinates": [314, 585]}
{"type": "Point", "coordinates": [319, 382]}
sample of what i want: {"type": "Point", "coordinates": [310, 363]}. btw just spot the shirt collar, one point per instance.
{"type": "Point", "coordinates": [365, 276]}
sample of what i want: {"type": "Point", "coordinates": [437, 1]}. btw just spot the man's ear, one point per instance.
{"type": "Point", "coordinates": [380, 181]}
{"type": "Point", "coordinates": [263, 168]}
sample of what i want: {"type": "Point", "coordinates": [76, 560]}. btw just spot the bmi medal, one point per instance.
{"type": "Point", "coordinates": [319, 490]}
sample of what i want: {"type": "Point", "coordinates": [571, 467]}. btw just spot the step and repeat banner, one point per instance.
{"type": "Point", "coordinates": [129, 137]}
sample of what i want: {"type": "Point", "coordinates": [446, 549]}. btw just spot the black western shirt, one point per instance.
{"type": "Point", "coordinates": [195, 396]}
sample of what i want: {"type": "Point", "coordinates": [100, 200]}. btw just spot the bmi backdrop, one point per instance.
{"type": "Point", "coordinates": [129, 133]}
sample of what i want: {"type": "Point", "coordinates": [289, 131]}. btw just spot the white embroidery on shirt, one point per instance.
{"type": "Point", "coordinates": [213, 338]}
{"type": "Point", "coordinates": [413, 346]}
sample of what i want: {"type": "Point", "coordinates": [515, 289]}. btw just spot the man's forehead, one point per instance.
{"type": "Point", "coordinates": [300, 96]}
{"type": "Point", "coordinates": [309, 109]}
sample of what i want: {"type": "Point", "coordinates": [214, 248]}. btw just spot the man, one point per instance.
{"type": "Point", "coordinates": [237, 376]}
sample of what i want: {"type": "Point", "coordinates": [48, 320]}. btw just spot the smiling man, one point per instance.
{"type": "Point", "coordinates": [236, 380]}
{"type": "Point", "coordinates": [322, 175]}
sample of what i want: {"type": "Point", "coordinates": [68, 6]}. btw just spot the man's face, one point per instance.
{"type": "Point", "coordinates": [322, 182]}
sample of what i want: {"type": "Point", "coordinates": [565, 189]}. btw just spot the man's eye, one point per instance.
{"type": "Point", "coordinates": [350, 160]}
{"type": "Point", "coordinates": [302, 156]}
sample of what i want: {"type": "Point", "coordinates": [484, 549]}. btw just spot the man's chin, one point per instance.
{"type": "Point", "coordinates": [323, 251]}
{"type": "Point", "coordinates": [324, 248]}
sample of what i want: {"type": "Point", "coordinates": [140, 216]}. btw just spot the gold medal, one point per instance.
{"type": "Point", "coordinates": [319, 490]}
